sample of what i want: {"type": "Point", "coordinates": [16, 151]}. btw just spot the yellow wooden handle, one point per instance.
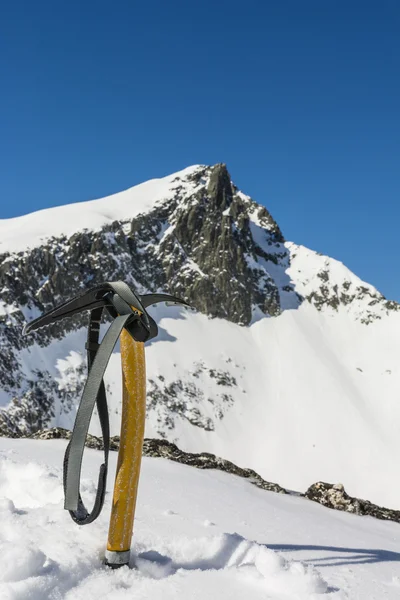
{"type": "Point", "coordinates": [130, 450]}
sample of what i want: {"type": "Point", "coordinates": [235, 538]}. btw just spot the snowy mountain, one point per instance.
{"type": "Point", "coordinates": [290, 364]}
{"type": "Point", "coordinates": [198, 534]}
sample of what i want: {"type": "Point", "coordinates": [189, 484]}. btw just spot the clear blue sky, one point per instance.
{"type": "Point", "coordinates": [301, 99]}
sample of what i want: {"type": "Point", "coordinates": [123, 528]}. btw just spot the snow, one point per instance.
{"type": "Point", "coordinates": [68, 369]}
{"type": "Point", "coordinates": [198, 534]}
{"type": "Point", "coordinates": [18, 234]}
{"type": "Point", "coordinates": [6, 309]}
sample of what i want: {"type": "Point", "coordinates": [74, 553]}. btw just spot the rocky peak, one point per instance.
{"type": "Point", "coordinates": [207, 252]}
{"type": "Point", "coordinates": [220, 187]}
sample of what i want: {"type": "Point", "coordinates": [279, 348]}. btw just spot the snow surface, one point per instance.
{"type": "Point", "coordinates": [32, 230]}
{"type": "Point", "coordinates": [198, 534]}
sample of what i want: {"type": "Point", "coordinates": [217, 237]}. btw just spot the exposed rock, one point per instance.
{"type": "Point", "coordinates": [206, 256]}
{"type": "Point", "coordinates": [335, 496]}
{"type": "Point", "coordinates": [332, 496]}
{"type": "Point", "coordinates": [330, 294]}
{"type": "Point", "coordinates": [7, 427]}
{"type": "Point", "coordinates": [58, 433]}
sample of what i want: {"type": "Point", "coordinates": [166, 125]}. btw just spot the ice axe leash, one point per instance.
{"type": "Point", "coordinates": [134, 326]}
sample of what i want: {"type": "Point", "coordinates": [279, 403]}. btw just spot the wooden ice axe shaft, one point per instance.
{"type": "Point", "coordinates": [130, 451]}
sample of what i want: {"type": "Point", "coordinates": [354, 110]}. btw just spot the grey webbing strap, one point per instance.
{"type": "Point", "coordinates": [81, 516]}
{"type": "Point", "coordinates": [74, 454]}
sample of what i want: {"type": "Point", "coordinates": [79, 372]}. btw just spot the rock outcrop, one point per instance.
{"type": "Point", "coordinates": [335, 496]}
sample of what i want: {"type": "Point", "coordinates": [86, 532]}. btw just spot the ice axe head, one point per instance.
{"type": "Point", "coordinates": [118, 299]}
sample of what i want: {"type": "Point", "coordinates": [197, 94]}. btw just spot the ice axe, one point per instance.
{"type": "Point", "coordinates": [134, 326]}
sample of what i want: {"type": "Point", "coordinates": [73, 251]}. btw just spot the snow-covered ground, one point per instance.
{"type": "Point", "coordinates": [198, 535]}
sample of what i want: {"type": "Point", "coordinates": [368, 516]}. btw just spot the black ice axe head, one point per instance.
{"type": "Point", "coordinates": [116, 298]}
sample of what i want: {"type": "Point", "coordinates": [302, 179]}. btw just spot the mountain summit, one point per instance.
{"type": "Point", "coordinates": [289, 364]}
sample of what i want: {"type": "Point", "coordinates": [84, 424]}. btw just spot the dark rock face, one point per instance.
{"type": "Point", "coordinates": [330, 294]}
{"type": "Point", "coordinates": [334, 496]}
{"type": "Point", "coordinates": [163, 449]}
{"type": "Point", "coordinates": [206, 242]}
{"type": "Point", "coordinates": [205, 258]}
{"type": "Point", "coordinates": [7, 427]}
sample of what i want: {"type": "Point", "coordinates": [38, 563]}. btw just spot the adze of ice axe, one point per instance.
{"type": "Point", "coordinates": [134, 326]}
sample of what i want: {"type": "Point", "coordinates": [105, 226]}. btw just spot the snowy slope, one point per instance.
{"type": "Point", "coordinates": [198, 534]}
{"type": "Point", "coordinates": [310, 394]}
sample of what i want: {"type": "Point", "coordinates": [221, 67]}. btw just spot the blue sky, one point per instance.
{"type": "Point", "coordinates": [300, 99]}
